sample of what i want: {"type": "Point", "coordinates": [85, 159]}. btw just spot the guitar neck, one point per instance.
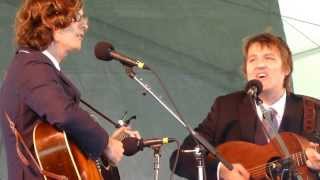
{"type": "Point", "coordinates": [300, 158]}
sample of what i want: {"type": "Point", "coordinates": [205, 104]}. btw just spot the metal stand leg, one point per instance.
{"type": "Point", "coordinates": [156, 160]}
{"type": "Point", "coordinates": [198, 153]}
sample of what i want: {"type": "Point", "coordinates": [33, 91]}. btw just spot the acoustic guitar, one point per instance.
{"type": "Point", "coordinates": [262, 161]}
{"type": "Point", "coordinates": [56, 154]}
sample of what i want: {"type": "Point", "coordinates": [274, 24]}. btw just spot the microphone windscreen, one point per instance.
{"type": "Point", "coordinates": [131, 145]}
{"type": "Point", "coordinates": [254, 83]}
{"type": "Point", "coordinates": [102, 51]}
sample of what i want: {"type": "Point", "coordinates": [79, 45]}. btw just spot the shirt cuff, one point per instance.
{"type": "Point", "coordinates": [218, 171]}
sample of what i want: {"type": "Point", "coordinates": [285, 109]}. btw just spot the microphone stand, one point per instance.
{"type": "Point", "coordinates": [156, 160]}
{"type": "Point", "coordinates": [288, 163]}
{"type": "Point", "coordinates": [194, 134]}
{"type": "Point", "coordinates": [198, 153]}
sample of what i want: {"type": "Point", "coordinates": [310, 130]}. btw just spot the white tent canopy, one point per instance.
{"type": "Point", "coordinates": [301, 22]}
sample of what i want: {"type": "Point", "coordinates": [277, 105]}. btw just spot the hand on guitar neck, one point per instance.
{"type": "Point", "coordinates": [114, 150]}
{"type": "Point", "coordinates": [313, 156]}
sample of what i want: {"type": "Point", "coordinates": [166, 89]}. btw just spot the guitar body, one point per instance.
{"type": "Point", "coordinates": [256, 158]}
{"type": "Point", "coordinates": [57, 155]}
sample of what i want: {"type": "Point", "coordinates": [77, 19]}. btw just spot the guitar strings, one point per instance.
{"type": "Point", "coordinates": [299, 157]}
{"type": "Point", "coordinates": [260, 169]}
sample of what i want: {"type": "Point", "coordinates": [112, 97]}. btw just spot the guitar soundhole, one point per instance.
{"type": "Point", "coordinates": [274, 167]}
{"type": "Point", "coordinates": [281, 168]}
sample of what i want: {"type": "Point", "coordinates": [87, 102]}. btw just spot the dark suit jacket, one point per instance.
{"type": "Point", "coordinates": [34, 89]}
{"type": "Point", "coordinates": [233, 118]}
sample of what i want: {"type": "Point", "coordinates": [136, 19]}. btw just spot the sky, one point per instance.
{"type": "Point", "coordinates": [301, 21]}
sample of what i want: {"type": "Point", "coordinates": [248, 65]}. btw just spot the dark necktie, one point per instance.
{"type": "Point", "coordinates": [264, 130]}
{"type": "Point", "coordinates": [274, 120]}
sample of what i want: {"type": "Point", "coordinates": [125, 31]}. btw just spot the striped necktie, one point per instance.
{"type": "Point", "coordinates": [264, 130]}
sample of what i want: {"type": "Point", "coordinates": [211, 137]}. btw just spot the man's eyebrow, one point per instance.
{"type": "Point", "coordinates": [269, 54]}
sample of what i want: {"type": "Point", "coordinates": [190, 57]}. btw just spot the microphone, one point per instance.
{"type": "Point", "coordinates": [132, 145]}
{"type": "Point", "coordinates": [105, 51]}
{"type": "Point", "coordinates": [254, 87]}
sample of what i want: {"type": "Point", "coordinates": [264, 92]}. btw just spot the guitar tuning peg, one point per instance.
{"type": "Point", "coordinates": [131, 118]}
{"type": "Point", "coordinates": [123, 122]}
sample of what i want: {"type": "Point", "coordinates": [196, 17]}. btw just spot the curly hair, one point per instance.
{"type": "Point", "coordinates": [37, 19]}
{"type": "Point", "coordinates": [270, 40]}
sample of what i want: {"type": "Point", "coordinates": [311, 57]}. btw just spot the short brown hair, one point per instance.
{"type": "Point", "coordinates": [36, 20]}
{"type": "Point", "coordinates": [270, 40]}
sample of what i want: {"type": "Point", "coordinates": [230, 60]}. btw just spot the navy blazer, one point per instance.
{"type": "Point", "coordinates": [34, 89]}
{"type": "Point", "coordinates": [233, 118]}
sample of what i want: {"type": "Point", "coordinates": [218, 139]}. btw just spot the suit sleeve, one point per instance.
{"type": "Point", "coordinates": [42, 91]}
{"type": "Point", "coordinates": [186, 165]}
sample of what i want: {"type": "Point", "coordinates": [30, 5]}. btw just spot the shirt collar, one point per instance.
{"type": "Point", "coordinates": [52, 59]}
{"type": "Point", "coordinates": [278, 106]}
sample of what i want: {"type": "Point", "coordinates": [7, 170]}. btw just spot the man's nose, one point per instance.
{"type": "Point", "coordinates": [261, 63]}
{"type": "Point", "coordinates": [84, 25]}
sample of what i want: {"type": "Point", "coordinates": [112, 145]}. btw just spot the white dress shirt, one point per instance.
{"type": "Point", "coordinates": [52, 59]}
{"type": "Point", "coordinates": [278, 106]}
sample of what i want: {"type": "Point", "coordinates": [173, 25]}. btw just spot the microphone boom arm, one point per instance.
{"type": "Point", "coordinates": [193, 133]}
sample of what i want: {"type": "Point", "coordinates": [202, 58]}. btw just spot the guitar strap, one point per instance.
{"type": "Point", "coordinates": [311, 115]}
{"type": "Point", "coordinates": [24, 160]}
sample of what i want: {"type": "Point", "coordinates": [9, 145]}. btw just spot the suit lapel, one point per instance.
{"type": "Point", "coordinates": [292, 119]}
{"type": "Point", "coordinates": [38, 54]}
{"type": "Point", "coordinates": [70, 84]}
{"type": "Point", "coordinates": [248, 119]}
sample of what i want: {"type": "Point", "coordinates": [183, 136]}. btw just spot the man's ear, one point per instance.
{"type": "Point", "coordinates": [286, 71]}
